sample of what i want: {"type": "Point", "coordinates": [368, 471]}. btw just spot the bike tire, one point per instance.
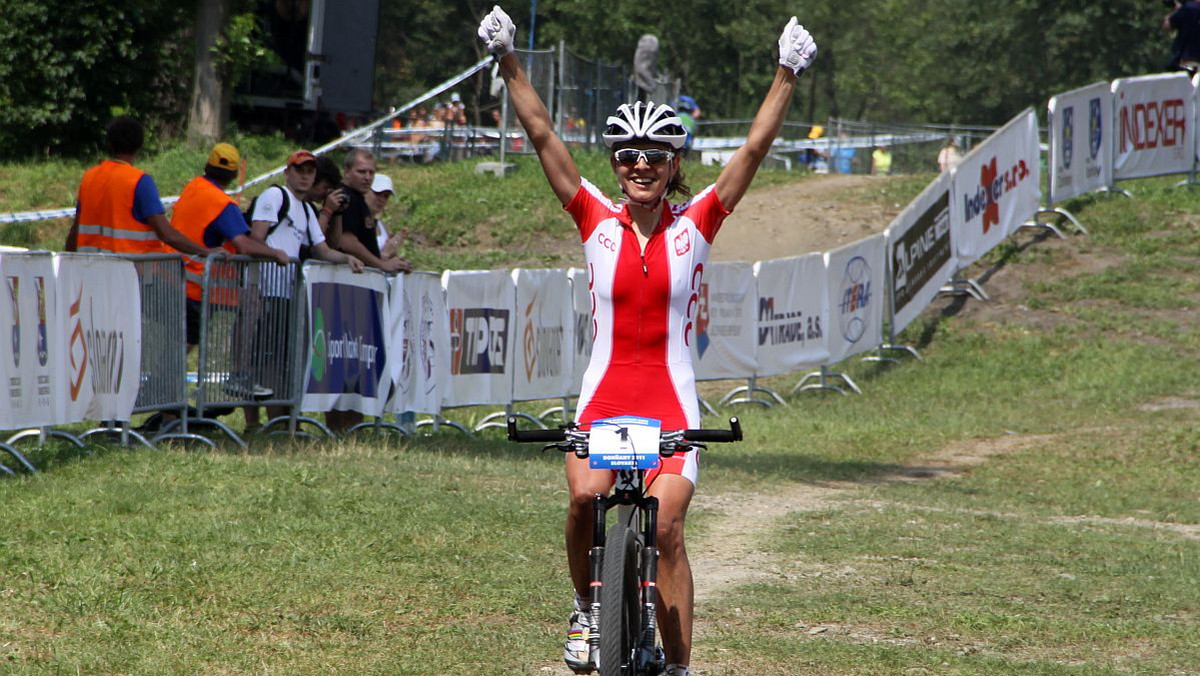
{"type": "Point", "coordinates": [620, 600]}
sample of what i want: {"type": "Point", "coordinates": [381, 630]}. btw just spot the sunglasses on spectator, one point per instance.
{"type": "Point", "coordinates": [652, 156]}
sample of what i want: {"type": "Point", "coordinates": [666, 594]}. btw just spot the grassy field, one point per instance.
{"type": "Point", "coordinates": [1024, 501]}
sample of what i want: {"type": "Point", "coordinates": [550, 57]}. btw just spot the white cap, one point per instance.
{"type": "Point", "coordinates": [455, 98]}
{"type": "Point", "coordinates": [382, 184]}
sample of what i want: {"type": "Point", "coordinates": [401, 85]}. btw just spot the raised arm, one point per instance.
{"type": "Point", "coordinates": [497, 32]}
{"type": "Point", "coordinates": [796, 53]}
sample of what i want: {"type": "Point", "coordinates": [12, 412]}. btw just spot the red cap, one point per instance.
{"type": "Point", "coordinates": [300, 157]}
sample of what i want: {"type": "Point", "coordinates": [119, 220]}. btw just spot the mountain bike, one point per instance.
{"type": "Point", "coordinates": [624, 558]}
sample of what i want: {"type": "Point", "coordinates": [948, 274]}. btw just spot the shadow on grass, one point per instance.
{"type": "Point", "coordinates": [803, 468]}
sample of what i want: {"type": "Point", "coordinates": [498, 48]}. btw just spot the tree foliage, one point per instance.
{"type": "Point", "coordinates": [65, 66]}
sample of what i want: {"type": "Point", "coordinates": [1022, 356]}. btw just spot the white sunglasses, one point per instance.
{"type": "Point", "coordinates": [652, 156]}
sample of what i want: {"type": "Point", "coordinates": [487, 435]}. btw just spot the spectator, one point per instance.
{"type": "Point", "coordinates": [118, 209]}
{"type": "Point", "coordinates": [1184, 19]}
{"type": "Point", "coordinates": [843, 155]}
{"type": "Point", "coordinates": [881, 161]}
{"type": "Point", "coordinates": [358, 227]}
{"type": "Point", "coordinates": [949, 156]}
{"type": "Point", "coordinates": [382, 190]}
{"type": "Point", "coordinates": [210, 218]}
{"type": "Point", "coordinates": [688, 112]}
{"type": "Point", "coordinates": [458, 111]}
{"type": "Point", "coordinates": [332, 201]}
{"type": "Point", "coordinates": [284, 220]}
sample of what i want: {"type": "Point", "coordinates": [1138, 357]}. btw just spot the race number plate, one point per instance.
{"type": "Point", "coordinates": [624, 442]}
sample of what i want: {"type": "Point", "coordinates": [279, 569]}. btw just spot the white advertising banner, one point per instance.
{"type": "Point", "coordinates": [726, 330]}
{"type": "Point", "coordinates": [545, 324]}
{"type": "Point", "coordinates": [855, 279]}
{"type": "Point", "coordinates": [420, 303]}
{"type": "Point", "coordinates": [1153, 118]}
{"type": "Point", "coordinates": [920, 252]}
{"type": "Point", "coordinates": [996, 188]}
{"type": "Point", "coordinates": [482, 306]}
{"type": "Point", "coordinates": [31, 351]}
{"type": "Point", "coordinates": [348, 369]}
{"type": "Point", "coordinates": [793, 313]}
{"type": "Point", "coordinates": [1080, 141]}
{"type": "Point", "coordinates": [99, 316]}
{"type": "Point", "coordinates": [585, 328]}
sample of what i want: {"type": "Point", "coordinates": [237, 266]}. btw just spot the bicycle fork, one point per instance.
{"type": "Point", "coordinates": [649, 591]}
{"type": "Point", "coordinates": [596, 561]}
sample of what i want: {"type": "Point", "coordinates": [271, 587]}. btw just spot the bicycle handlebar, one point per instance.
{"type": "Point", "coordinates": [734, 433]}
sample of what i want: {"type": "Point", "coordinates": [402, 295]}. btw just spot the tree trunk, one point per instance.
{"type": "Point", "coordinates": [210, 101]}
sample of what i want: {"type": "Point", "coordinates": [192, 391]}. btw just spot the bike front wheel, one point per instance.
{"type": "Point", "coordinates": [620, 606]}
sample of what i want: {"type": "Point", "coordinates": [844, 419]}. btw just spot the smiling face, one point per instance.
{"type": "Point", "coordinates": [641, 180]}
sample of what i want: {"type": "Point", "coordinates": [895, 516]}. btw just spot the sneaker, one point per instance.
{"type": "Point", "coordinates": [676, 670]}
{"type": "Point", "coordinates": [576, 653]}
{"type": "Point", "coordinates": [244, 389]}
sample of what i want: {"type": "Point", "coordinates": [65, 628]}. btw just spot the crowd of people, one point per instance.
{"type": "Point", "coordinates": [320, 211]}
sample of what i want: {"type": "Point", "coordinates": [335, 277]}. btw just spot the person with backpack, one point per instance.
{"type": "Point", "coordinates": [283, 219]}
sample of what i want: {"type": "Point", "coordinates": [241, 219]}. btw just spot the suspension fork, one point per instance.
{"type": "Point", "coordinates": [596, 562]}
{"type": "Point", "coordinates": [649, 591]}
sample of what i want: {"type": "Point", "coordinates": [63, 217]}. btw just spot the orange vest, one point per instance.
{"type": "Point", "coordinates": [199, 205]}
{"type": "Point", "coordinates": [106, 222]}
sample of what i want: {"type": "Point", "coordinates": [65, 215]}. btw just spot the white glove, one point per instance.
{"type": "Point", "coordinates": [497, 32]}
{"type": "Point", "coordinates": [796, 47]}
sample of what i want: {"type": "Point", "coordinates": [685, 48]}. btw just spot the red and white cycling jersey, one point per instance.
{"type": "Point", "coordinates": [644, 307]}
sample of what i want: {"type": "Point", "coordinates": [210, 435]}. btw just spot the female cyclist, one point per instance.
{"type": "Point", "coordinates": [645, 259]}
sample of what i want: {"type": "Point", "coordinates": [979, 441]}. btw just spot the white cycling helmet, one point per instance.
{"type": "Point", "coordinates": [645, 122]}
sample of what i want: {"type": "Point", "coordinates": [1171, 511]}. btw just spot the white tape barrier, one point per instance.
{"type": "Point", "coordinates": [544, 322]}
{"type": "Point", "coordinates": [1081, 145]}
{"type": "Point", "coordinates": [74, 347]}
{"type": "Point", "coordinates": [996, 188]}
{"type": "Point", "coordinates": [348, 348]}
{"type": "Point", "coordinates": [724, 344]}
{"type": "Point", "coordinates": [855, 279]}
{"type": "Point", "coordinates": [793, 314]}
{"type": "Point", "coordinates": [1154, 117]}
{"type": "Point", "coordinates": [920, 251]}
{"type": "Point", "coordinates": [482, 307]}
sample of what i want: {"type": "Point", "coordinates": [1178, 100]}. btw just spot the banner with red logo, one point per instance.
{"type": "Point", "coordinates": [584, 328]}
{"type": "Point", "coordinates": [482, 306]}
{"type": "Point", "coordinates": [792, 314]}
{"type": "Point", "coordinates": [99, 316]}
{"type": "Point", "coordinates": [421, 335]}
{"type": "Point", "coordinates": [996, 188]}
{"type": "Point", "coordinates": [855, 280]}
{"type": "Point", "coordinates": [30, 350]}
{"type": "Point", "coordinates": [920, 252]}
{"type": "Point", "coordinates": [1081, 141]}
{"type": "Point", "coordinates": [1153, 119]}
{"type": "Point", "coordinates": [725, 332]}
{"type": "Point", "coordinates": [544, 327]}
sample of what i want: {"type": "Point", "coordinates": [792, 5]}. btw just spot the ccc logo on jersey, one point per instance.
{"type": "Point", "coordinates": [607, 242]}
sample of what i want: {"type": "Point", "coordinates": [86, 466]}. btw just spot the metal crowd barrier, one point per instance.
{"type": "Point", "coordinates": [250, 351]}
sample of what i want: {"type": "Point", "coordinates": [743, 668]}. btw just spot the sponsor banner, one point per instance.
{"type": "Point", "coordinates": [855, 279]}
{"type": "Point", "coordinates": [544, 326]}
{"type": "Point", "coordinates": [1152, 125]}
{"type": "Point", "coordinates": [920, 252]}
{"type": "Point", "coordinates": [996, 188]}
{"type": "Point", "coordinates": [423, 333]}
{"type": "Point", "coordinates": [99, 315]}
{"type": "Point", "coordinates": [726, 323]}
{"type": "Point", "coordinates": [482, 306]}
{"type": "Point", "coordinates": [30, 351]}
{"type": "Point", "coordinates": [348, 350]}
{"type": "Point", "coordinates": [792, 314]}
{"type": "Point", "coordinates": [1080, 141]}
{"type": "Point", "coordinates": [584, 328]}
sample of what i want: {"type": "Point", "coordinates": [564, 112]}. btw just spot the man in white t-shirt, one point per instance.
{"type": "Point", "coordinates": [283, 219]}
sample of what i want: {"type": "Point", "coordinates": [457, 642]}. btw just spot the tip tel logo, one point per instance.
{"type": "Point", "coordinates": [319, 347]}
{"type": "Point", "coordinates": [1068, 135]}
{"type": "Point", "coordinates": [856, 298]}
{"type": "Point", "coordinates": [530, 341]}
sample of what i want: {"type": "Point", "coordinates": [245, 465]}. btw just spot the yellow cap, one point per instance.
{"type": "Point", "coordinates": [817, 131]}
{"type": "Point", "coordinates": [224, 156]}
